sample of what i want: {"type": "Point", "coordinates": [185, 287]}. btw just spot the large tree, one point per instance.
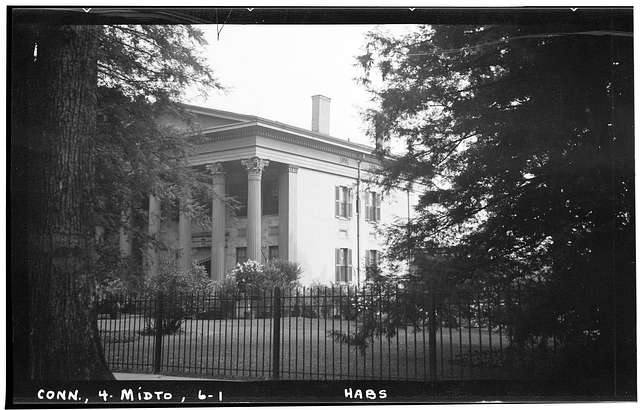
{"type": "Point", "coordinates": [54, 125]}
{"type": "Point", "coordinates": [85, 141]}
{"type": "Point", "coordinates": [522, 137]}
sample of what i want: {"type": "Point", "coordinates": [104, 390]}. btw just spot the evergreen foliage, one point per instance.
{"type": "Point", "coordinates": [522, 137]}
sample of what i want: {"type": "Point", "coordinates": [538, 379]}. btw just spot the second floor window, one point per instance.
{"type": "Point", "coordinates": [269, 197]}
{"type": "Point", "coordinates": [237, 191]}
{"type": "Point", "coordinates": [344, 206]}
{"type": "Point", "coordinates": [343, 265]}
{"type": "Point", "coordinates": [371, 206]}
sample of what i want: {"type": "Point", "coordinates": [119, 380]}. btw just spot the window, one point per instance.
{"type": "Point", "coordinates": [371, 263]}
{"type": "Point", "coordinates": [238, 191]}
{"type": "Point", "coordinates": [274, 252]}
{"type": "Point", "coordinates": [371, 206]}
{"type": "Point", "coordinates": [343, 202]}
{"type": "Point", "coordinates": [371, 258]}
{"type": "Point", "coordinates": [343, 265]}
{"type": "Point", "coordinates": [206, 264]}
{"type": "Point", "coordinates": [269, 197]}
{"type": "Point", "coordinates": [241, 254]}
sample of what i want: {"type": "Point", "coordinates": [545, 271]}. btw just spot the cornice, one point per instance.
{"type": "Point", "coordinates": [253, 130]}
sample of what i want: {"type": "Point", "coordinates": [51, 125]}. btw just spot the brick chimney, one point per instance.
{"type": "Point", "coordinates": [320, 108]}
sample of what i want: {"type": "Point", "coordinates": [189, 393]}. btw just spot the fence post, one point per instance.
{"type": "Point", "coordinates": [275, 359]}
{"type": "Point", "coordinates": [433, 366]}
{"type": "Point", "coordinates": [157, 359]}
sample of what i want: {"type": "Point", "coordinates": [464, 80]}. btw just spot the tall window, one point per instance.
{"type": "Point", "coordinates": [371, 206]}
{"type": "Point", "coordinates": [371, 258]}
{"type": "Point", "coordinates": [238, 191]}
{"type": "Point", "coordinates": [371, 262]}
{"type": "Point", "coordinates": [269, 197]}
{"type": "Point", "coordinates": [344, 206]}
{"type": "Point", "coordinates": [343, 265]}
{"type": "Point", "coordinates": [241, 254]}
{"type": "Point", "coordinates": [274, 252]}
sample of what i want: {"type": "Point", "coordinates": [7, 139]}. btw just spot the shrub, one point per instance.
{"type": "Point", "coordinates": [247, 276]}
{"type": "Point", "coordinates": [255, 280]}
{"type": "Point", "coordinates": [281, 273]}
{"type": "Point", "coordinates": [179, 294]}
{"type": "Point", "coordinates": [252, 277]}
{"type": "Point", "coordinates": [110, 295]}
{"type": "Point", "coordinates": [222, 305]}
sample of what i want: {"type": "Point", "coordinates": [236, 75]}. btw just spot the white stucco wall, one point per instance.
{"type": "Point", "coordinates": [319, 229]}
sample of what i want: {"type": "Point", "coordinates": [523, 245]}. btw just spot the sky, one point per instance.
{"type": "Point", "coordinates": [273, 70]}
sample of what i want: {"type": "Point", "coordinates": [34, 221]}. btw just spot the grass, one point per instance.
{"type": "Point", "coordinates": [242, 349]}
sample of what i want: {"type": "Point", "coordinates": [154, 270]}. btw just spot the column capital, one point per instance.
{"type": "Point", "coordinates": [215, 168]}
{"type": "Point", "coordinates": [255, 165]}
{"type": "Point", "coordinates": [292, 169]}
{"type": "Point", "coordinates": [217, 172]}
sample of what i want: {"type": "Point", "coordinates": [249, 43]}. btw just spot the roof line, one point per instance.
{"type": "Point", "coordinates": [287, 127]}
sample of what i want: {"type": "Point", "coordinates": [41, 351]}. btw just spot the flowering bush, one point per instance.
{"type": "Point", "coordinates": [256, 280]}
{"type": "Point", "coordinates": [246, 275]}
{"type": "Point", "coordinates": [254, 277]}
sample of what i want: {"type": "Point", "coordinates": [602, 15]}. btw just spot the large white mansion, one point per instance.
{"type": "Point", "coordinates": [298, 191]}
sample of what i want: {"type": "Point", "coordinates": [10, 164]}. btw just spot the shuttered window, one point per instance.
{"type": "Point", "coordinates": [372, 206]}
{"type": "Point", "coordinates": [343, 265]}
{"type": "Point", "coordinates": [371, 258]}
{"type": "Point", "coordinates": [343, 202]}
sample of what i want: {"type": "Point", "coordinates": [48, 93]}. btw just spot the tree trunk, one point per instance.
{"type": "Point", "coordinates": [54, 121]}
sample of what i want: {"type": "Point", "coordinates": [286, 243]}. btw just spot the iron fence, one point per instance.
{"type": "Point", "coordinates": [325, 333]}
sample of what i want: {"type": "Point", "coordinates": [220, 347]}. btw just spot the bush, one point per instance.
{"type": "Point", "coordinates": [247, 276]}
{"type": "Point", "coordinates": [110, 295]}
{"type": "Point", "coordinates": [222, 306]}
{"type": "Point", "coordinates": [254, 281]}
{"type": "Point", "coordinates": [283, 274]}
{"type": "Point", "coordinates": [252, 277]}
{"type": "Point", "coordinates": [179, 294]}
{"type": "Point", "coordinates": [320, 301]}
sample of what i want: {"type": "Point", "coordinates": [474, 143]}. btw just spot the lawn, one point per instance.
{"type": "Point", "coordinates": [242, 349]}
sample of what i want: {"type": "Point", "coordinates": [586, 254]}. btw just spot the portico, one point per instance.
{"type": "Point", "coordinates": [237, 189]}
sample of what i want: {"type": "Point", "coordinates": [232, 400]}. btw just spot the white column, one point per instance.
{"type": "Point", "coordinates": [125, 234]}
{"type": "Point", "coordinates": [184, 234]}
{"type": "Point", "coordinates": [218, 225]}
{"type": "Point", "coordinates": [288, 212]}
{"type": "Point", "coordinates": [154, 233]}
{"type": "Point", "coordinates": [254, 167]}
